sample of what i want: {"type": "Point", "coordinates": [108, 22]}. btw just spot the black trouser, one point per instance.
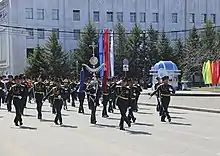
{"type": "Point", "coordinates": [81, 96]}
{"type": "Point", "coordinates": [9, 100]}
{"type": "Point", "coordinates": [65, 104]}
{"type": "Point", "coordinates": [131, 110]}
{"type": "Point", "coordinates": [58, 103]}
{"type": "Point", "coordinates": [24, 104]}
{"type": "Point", "coordinates": [110, 107]}
{"type": "Point", "coordinates": [51, 100]}
{"type": "Point", "coordinates": [88, 99]}
{"type": "Point", "coordinates": [114, 102]}
{"type": "Point", "coordinates": [105, 103]}
{"type": "Point", "coordinates": [165, 101]}
{"type": "Point", "coordinates": [39, 100]}
{"type": "Point", "coordinates": [74, 98]}
{"type": "Point", "coordinates": [123, 106]}
{"type": "Point", "coordinates": [2, 97]}
{"type": "Point", "coordinates": [18, 103]}
{"type": "Point", "coordinates": [93, 106]}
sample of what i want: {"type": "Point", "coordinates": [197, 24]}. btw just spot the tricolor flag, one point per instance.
{"type": "Point", "coordinates": [101, 53]}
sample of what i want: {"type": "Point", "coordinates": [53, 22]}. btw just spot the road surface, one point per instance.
{"type": "Point", "coordinates": [189, 134]}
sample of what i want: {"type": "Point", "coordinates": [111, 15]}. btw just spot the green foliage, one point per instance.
{"type": "Point", "coordinates": [134, 43]}
{"type": "Point", "coordinates": [84, 52]}
{"type": "Point", "coordinates": [151, 46]}
{"type": "Point", "coordinates": [57, 58]}
{"type": "Point", "coordinates": [164, 49]}
{"type": "Point", "coordinates": [120, 49]}
{"type": "Point", "coordinates": [38, 63]}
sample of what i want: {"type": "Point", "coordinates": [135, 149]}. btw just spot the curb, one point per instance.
{"type": "Point", "coordinates": [187, 94]}
{"type": "Point", "coordinates": [188, 108]}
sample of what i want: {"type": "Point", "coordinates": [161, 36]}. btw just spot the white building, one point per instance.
{"type": "Point", "coordinates": [72, 15]}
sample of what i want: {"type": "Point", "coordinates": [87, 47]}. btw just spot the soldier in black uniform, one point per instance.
{"type": "Point", "coordinates": [73, 93]}
{"type": "Point", "coordinates": [81, 96]}
{"type": "Point", "coordinates": [17, 92]}
{"type": "Point", "coordinates": [59, 94]}
{"type": "Point", "coordinates": [158, 108]}
{"type": "Point", "coordinates": [67, 93]}
{"type": "Point", "coordinates": [123, 102]}
{"type": "Point", "coordinates": [2, 91]}
{"type": "Point", "coordinates": [40, 92]}
{"type": "Point", "coordinates": [105, 96]}
{"type": "Point", "coordinates": [25, 84]}
{"type": "Point", "coordinates": [92, 90]}
{"type": "Point", "coordinates": [138, 91]}
{"type": "Point", "coordinates": [51, 97]}
{"type": "Point", "coordinates": [133, 103]}
{"type": "Point", "coordinates": [9, 84]}
{"type": "Point", "coordinates": [165, 91]}
{"type": "Point", "coordinates": [112, 97]}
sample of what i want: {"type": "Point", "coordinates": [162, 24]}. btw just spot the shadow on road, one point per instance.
{"type": "Point", "coordinates": [29, 115]}
{"type": "Point", "coordinates": [104, 126]}
{"type": "Point", "coordinates": [143, 124]}
{"type": "Point", "coordinates": [177, 113]}
{"type": "Point", "coordinates": [178, 117]}
{"type": "Point", "coordinates": [144, 108]}
{"type": "Point", "coordinates": [71, 110]}
{"type": "Point", "coordinates": [180, 124]}
{"type": "Point", "coordinates": [138, 132]}
{"type": "Point", "coordinates": [68, 126]}
{"type": "Point", "coordinates": [25, 127]}
{"type": "Point", "coordinates": [111, 118]}
{"type": "Point", "coordinates": [144, 113]}
{"type": "Point", "coordinates": [46, 120]}
{"type": "Point", "coordinates": [65, 115]}
{"type": "Point", "coordinates": [31, 108]}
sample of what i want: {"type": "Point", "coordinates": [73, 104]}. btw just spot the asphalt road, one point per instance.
{"type": "Point", "coordinates": [189, 134]}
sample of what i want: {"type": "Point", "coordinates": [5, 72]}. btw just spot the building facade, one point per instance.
{"type": "Point", "coordinates": [25, 23]}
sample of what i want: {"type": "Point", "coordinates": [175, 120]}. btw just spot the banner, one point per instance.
{"type": "Point", "coordinates": [81, 86]}
{"type": "Point", "coordinates": [101, 57]}
{"type": "Point", "coordinates": [112, 55]}
{"type": "Point", "coordinates": [106, 57]}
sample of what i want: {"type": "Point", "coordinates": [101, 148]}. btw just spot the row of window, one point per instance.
{"type": "Point", "coordinates": [110, 17]}
{"type": "Point", "coordinates": [41, 33]}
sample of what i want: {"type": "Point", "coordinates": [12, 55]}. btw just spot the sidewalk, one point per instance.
{"type": "Point", "coordinates": [194, 103]}
{"type": "Point", "coordinates": [188, 93]}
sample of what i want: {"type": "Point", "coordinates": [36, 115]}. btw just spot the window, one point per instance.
{"type": "Point", "coordinates": [30, 33]}
{"type": "Point", "coordinates": [40, 33]}
{"type": "Point", "coordinates": [204, 18]}
{"type": "Point", "coordinates": [76, 15]}
{"type": "Point", "coordinates": [29, 13]}
{"type": "Point", "coordinates": [96, 16]}
{"type": "Point", "coordinates": [155, 18]}
{"type": "Point", "coordinates": [120, 16]}
{"type": "Point", "coordinates": [57, 32]}
{"type": "Point", "coordinates": [174, 18]}
{"type": "Point", "coordinates": [55, 14]}
{"type": "Point", "coordinates": [213, 18]}
{"type": "Point", "coordinates": [109, 16]}
{"type": "Point", "coordinates": [40, 14]}
{"type": "Point", "coordinates": [133, 17]}
{"type": "Point", "coordinates": [191, 18]}
{"type": "Point", "coordinates": [174, 35]}
{"type": "Point", "coordinates": [142, 17]}
{"type": "Point", "coordinates": [76, 34]}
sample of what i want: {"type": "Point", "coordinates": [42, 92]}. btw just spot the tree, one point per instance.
{"type": "Point", "coordinates": [120, 47]}
{"type": "Point", "coordinates": [178, 53]}
{"type": "Point", "coordinates": [192, 55]}
{"type": "Point", "coordinates": [84, 52]}
{"type": "Point", "coordinates": [57, 58]}
{"type": "Point", "coordinates": [151, 47]}
{"type": "Point", "coordinates": [208, 41]}
{"type": "Point", "coordinates": [37, 63]}
{"type": "Point", "coordinates": [164, 49]}
{"type": "Point", "coordinates": [134, 51]}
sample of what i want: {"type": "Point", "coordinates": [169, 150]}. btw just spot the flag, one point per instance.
{"type": "Point", "coordinates": [81, 86]}
{"type": "Point", "coordinates": [204, 72]}
{"type": "Point", "coordinates": [101, 57]}
{"type": "Point", "coordinates": [218, 71]}
{"type": "Point", "coordinates": [106, 56]}
{"type": "Point", "coordinates": [112, 55]}
{"type": "Point", "coordinates": [215, 77]}
{"type": "Point", "coordinates": [208, 73]}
